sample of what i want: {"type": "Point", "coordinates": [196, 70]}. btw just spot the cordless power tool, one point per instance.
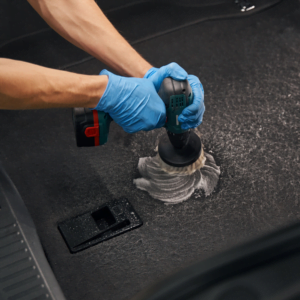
{"type": "Point", "coordinates": [178, 148]}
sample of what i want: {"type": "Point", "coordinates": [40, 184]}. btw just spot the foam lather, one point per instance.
{"type": "Point", "coordinates": [175, 188]}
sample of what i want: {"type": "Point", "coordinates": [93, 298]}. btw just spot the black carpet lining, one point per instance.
{"type": "Point", "coordinates": [250, 70]}
{"type": "Point", "coordinates": [137, 22]}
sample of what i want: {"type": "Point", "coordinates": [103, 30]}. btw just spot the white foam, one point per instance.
{"type": "Point", "coordinates": [174, 188]}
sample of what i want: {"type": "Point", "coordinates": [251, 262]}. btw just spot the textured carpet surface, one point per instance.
{"type": "Point", "coordinates": [173, 188]}
{"type": "Point", "coordinates": [25, 36]}
{"type": "Point", "coordinates": [250, 70]}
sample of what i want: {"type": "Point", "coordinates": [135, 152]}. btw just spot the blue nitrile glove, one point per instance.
{"type": "Point", "coordinates": [171, 70]}
{"type": "Point", "coordinates": [150, 72]}
{"type": "Point", "coordinates": [192, 115]}
{"type": "Point", "coordinates": [133, 103]}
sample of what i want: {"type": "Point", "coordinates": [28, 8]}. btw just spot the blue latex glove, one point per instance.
{"type": "Point", "coordinates": [150, 72]}
{"type": "Point", "coordinates": [133, 103]}
{"type": "Point", "coordinates": [192, 115]}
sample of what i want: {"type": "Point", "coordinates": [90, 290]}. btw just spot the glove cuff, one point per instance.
{"type": "Point", "coordinates": [101, 103]}
{"type": "Point", "coordinates": [150, 72]}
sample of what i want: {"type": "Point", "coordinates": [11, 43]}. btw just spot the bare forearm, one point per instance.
{"type": "Point", "coordinates": [83, 23]}
{"type": "Point", "coordinates": [28, 86]}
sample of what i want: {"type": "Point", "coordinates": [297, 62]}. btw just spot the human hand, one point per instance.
{"type": "Point", "coordinates": [133, 103]}
{"type": "Point", "coordinates": [192, 115]}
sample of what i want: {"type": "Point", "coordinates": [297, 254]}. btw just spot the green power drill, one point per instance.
{"type": "Point", "coordinates": [178, 148]}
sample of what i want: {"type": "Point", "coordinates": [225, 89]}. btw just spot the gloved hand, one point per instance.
{"type": "Point", "coordinates": [192, 115]}
{"type": "Point", "coordinates": [133, 103]}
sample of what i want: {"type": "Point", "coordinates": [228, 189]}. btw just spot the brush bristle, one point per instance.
{"type": "Point", "coordinates": [198, 164]}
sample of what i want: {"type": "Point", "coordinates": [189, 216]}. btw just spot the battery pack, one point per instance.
{"type": "Point", "coordinates": [91, 127]}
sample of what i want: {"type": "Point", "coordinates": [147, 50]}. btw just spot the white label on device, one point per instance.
{"type": "Point", "coordinates": [177, 123]}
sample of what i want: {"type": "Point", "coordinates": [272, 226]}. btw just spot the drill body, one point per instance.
{"type": "Point", "coordinates": [92, 126]}
{"type": "Point", "coordinates": [179, 147]}
{"type": "Point", "coordinates": [176, 95]}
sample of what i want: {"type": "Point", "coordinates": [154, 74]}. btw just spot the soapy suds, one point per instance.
{"type": "Point", "coordinates": [188, 170]}
{"type": "Point", "coordinates": [175, 188]}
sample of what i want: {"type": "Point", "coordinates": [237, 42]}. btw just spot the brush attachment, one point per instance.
{"type": "Point", "coordinates": [187, 170]}
{"type": "Point", "coordinates": [181, 154]}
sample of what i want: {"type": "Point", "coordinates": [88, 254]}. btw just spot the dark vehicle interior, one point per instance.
{"type": "Point", "coordinates": [241, 242]}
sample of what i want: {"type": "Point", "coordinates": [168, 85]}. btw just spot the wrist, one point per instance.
{"type": "Point", "coordinates": [139, 70]}
{"type": "Point", "coordinates": [145, 69]}
{"type": "Point", "coordinates": [97, 89]}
